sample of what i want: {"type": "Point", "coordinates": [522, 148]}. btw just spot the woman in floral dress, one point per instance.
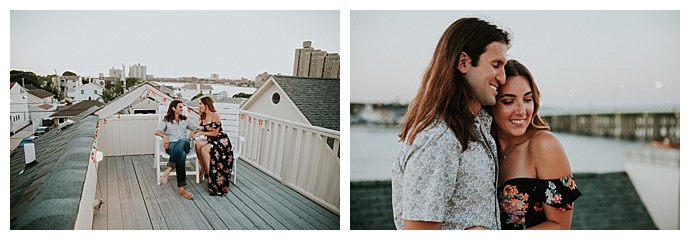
{"type": "Point", "coordinates": [215, 153]}
{"type": "Point", "coordinates": [537, 188]}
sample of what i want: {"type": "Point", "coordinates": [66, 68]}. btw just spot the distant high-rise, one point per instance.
{"type": "Point", "coordinates": [215, 76]}
{"type": "Point", "coordinates": [138, 71]}
{"type": "Point", "coordinates": [116, 73]}
{"type": "Point", "coordinates": [260, 78]}
{"type": "Point", "coordinates": [310, 62]}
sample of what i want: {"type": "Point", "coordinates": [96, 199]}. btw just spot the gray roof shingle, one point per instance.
{"type": "Point", "coordinates": [371, 206]}
{"type": "Point", "coordinates": [317, 98]}
{"type": "Point", "coordinates": [46, 194]}
{"type": "Point", "coordinates": [76, 108]}
{"type": "Point", "coordinates": [40, 93]}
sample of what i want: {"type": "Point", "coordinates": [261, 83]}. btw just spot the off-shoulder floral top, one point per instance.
{"type": "Point", "coordinates": [521, 200]}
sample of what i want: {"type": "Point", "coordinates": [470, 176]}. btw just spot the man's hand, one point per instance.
{"type": "Point", "coordinates": [166, 142]}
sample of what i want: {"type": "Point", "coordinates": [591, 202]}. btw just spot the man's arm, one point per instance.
{"type": "Point", "coordinates": [421, 225]}
{"type": "Point", "coordinates": [166, 141]}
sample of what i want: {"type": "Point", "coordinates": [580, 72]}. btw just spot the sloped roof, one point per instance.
{"type": "Point", "coordinates": [371, 205]}
{"type": "Point", "coordinates": [205, 86]}
{"type": "Point", "coordinates": [47, 193]}
{"type": "Point", "coordinates": [132, 98]}
{"type": "Point", "coordinates": [317, 98]}
{"type": "Point", "coordinates": [46, 106]}
{"type": "Point", "coordinates": [76, 108]}
{"type": "Point", "coordinates": [189, 86]}
{"type": "Point", "coordinates": [40, 93]}
{"type": "Point", "coordinates": [216, 99]}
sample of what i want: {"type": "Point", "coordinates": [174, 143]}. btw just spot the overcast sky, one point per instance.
{"type": "Point", "coordinates": [233, 44]}
{"type": "Point", "coordinates": [578, 58]}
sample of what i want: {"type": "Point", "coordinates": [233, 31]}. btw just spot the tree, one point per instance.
{"type": "Point", "coordinates": [29, 78]}
{"type": "Point", "coordinates": [198, 96]}
{"type": "Point", "coordinates": [112, 93]}
{"type": "Point", "coordinates": [132, 81]}
{"type": "Point", "coordinates": [68, 73]}
{"type": "Point", "coordinates": [242, 95]}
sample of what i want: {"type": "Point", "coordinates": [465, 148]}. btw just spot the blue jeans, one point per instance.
{"type": "Point", "coordinates": [178, 155]}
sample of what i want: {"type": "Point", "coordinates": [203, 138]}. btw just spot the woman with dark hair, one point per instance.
{"type": "Point", "coordinates": [537, 188]}
{"type": "Point", "coordinates": [215, 153]}
{"type": "Point", "coordinates": [173, 130]}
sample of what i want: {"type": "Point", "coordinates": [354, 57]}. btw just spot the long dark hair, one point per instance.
{"type": "Point", "coordinates": [444, 92]}
{"type": "Point", "coordinates": [208, 102]}
{"type": "Point", "coordinates": [170, 115]}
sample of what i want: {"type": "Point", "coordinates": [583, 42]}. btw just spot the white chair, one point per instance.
{"type": "Point", "coordinates": [162, 158]}
{"type": "Point", "coordinates": [236, 157]}
{"type": "Point", "coordinates": [229, 117]}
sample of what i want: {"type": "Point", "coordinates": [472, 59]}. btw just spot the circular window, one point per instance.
{"type": "Point", "coordinates": [276, 98]}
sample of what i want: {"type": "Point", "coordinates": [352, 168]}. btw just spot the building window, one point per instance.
{"type": "Point", "coordinates": [94, 92]}
{"type": "Point", "coordinates": [82, 92]}
{"type": "Point", "coordinates": [276, 98]}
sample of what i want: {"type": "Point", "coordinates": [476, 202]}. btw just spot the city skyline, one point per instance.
{"type": "Point", "coordinates": [171, 44]}
{"type": "Point", "coordinates": [578, 58]}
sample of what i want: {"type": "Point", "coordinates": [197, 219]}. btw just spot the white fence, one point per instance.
{"type": "Point", "coordinates": [303, 157]}
{"type": "Point", "coordinates": [129, 134]}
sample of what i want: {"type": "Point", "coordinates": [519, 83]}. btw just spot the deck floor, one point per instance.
{"type": "Point", "coordinates": [134, 201]}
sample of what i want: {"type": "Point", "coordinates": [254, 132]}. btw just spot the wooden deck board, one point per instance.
{"type": "Point", "coordinates": [249, 198]}
{"type": "Point", "coordinates": [169, 217]}
{"type": "Point", "coordinates": [308, 210]}
{"type": "Point", "coordinates": [281, 211]}
{"type": "Point", "coordinates": [135, 201]}
{"type": "Point", "coordinates": [113, 201]}
{"type": "Point", "coordinates": [202, 200]}
{"type": "Point", "coordinates": [153, 208]}
{"type": "Point", "coordinates": [126, 202]}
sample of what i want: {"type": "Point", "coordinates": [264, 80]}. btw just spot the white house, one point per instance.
{"type": "Point", "coordinates": [291, 126]}
{"type": "Point", "coordinates": [189, 90]}
{"type": "Point", "coordinates": [68, 112]}
{"type": "Point", "coordinates": [19, 107]}
{"type": "Point", "coordinates": [90, 91]}
{"type": "Point", "coordinates": [41, 104]}
{"type": "Point", "coordinates": [311, 101]}
{"type": "Point", "coordinates": [71, 84]}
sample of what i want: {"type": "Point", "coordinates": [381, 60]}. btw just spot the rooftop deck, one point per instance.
{"type": "Point", "coordinates": [134, 201]}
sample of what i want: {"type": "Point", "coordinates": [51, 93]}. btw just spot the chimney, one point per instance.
{"type": "Point", "coordinates": [29, 153]}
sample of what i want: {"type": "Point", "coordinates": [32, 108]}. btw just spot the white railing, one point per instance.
{"type": "Point", "coordinates": [303, 157]}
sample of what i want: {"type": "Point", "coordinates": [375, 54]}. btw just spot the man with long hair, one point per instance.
{"type": "Point", "coordinates": [173, 130]}
{"type": "Point", "coordinates": [446, 171]}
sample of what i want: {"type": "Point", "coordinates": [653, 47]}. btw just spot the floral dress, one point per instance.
{"type": "Point", "coordinates": [220, 162]}
{"type": "Point", "coordinates": [521, 201]}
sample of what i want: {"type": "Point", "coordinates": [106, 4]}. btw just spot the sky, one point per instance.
{"type": "Point", "coordinates": [233, 44]}
{"type": "Point", "coordinates": [578, 58]}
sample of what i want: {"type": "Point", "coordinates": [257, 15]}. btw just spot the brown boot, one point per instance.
{"type": "Point", "coordinates": [184, 193]}
{"type": "Point", "coordinates": [164, 178]}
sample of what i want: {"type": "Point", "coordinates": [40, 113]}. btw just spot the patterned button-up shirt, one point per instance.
{"type": "Point", "coordinates": [434, 181]}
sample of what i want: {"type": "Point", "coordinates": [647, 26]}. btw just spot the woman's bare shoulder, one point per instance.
{"type": "Point", "coordinates": [549, 155]}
